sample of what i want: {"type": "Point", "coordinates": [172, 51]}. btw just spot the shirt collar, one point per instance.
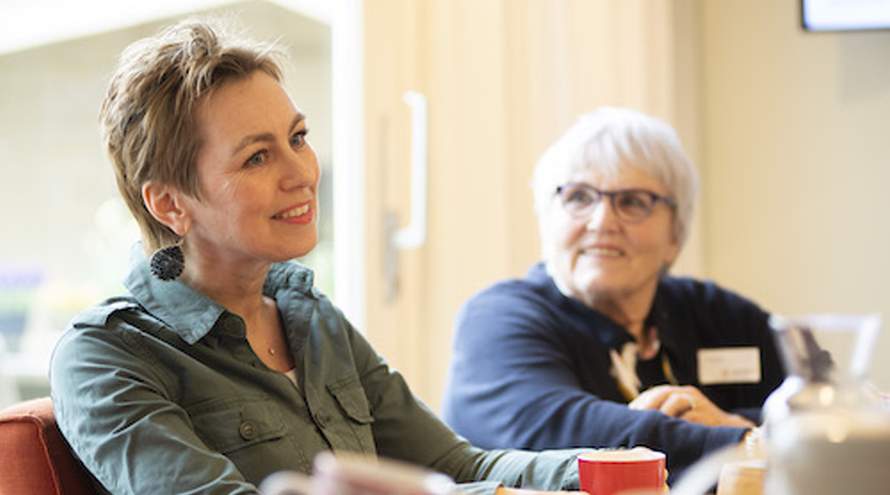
{"type": "Point", "coordinates": [190, 313]}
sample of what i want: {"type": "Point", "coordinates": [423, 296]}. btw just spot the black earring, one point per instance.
{"type": "Point", "coordinates": [167, 263]}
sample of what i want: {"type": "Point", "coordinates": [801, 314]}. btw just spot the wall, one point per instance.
{"type": "Point", "coordinates": [796, 161]}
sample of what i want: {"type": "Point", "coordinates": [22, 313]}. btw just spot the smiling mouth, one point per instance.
{"type": "Point", "coordinates": [603, 252]}
{"type": "Point", "coordinates": [296, 211]}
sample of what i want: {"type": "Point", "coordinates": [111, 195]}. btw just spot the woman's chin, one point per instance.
{"type": "Point", "coordinates": [301, 248]}
{"type": "Point", "coordinates": [599, 279]}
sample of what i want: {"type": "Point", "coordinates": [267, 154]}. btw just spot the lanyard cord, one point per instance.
{"type": "Point", "coordinates": [667, 370]}
{"type": "Point", "coordinates": [630, 391]}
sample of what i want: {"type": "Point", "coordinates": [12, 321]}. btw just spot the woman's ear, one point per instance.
{"type": "Point", "coordinates": [167, 205]}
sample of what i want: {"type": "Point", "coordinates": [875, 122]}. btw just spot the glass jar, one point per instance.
{"type": "Point", "coordinates": [825, 432]}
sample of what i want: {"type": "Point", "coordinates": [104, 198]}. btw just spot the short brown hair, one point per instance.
{"type": "Point", "coordinates": [147, 118]}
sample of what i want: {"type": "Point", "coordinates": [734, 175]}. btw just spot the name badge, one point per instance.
{"type": "Point", "coordinates": [729, 365]}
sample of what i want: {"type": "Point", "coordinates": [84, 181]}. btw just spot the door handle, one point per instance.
{"type": "Point", "coordinates": [413, 235]}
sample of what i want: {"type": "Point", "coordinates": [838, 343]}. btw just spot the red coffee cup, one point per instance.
{"type": "Point", "coordinates": [608, 471]}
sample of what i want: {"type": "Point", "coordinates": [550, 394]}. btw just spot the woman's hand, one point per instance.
{"type": "Point", "coordinates": [687, 403]}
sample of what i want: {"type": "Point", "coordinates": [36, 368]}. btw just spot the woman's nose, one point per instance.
{"type": "Point", "coordinates": [603, 216]}
{"type": "Point", "coordinates": [301, 169]}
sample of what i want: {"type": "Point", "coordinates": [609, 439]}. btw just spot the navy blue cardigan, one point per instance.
{"type": "Point", "coordinates": [531, 368]}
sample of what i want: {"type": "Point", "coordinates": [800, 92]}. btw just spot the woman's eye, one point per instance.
{"type": "Point", "coordinates": [256, 159]}
{"type": "Point", "coordinates": [580, 197]}
{"type": "Point", "coordinates": [634, 201]}
{"type": "Point", "coordinates": [299, 138]}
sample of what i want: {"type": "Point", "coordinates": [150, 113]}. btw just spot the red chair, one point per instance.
{"type": "Point", "coordinates": [34, 459]}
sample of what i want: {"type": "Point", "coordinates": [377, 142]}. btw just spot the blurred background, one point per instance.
{"type": "Point", "coordinates": [787, 127]}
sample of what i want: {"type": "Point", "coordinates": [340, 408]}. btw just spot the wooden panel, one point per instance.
{"type": "Point", "coordinates": [390, 54]}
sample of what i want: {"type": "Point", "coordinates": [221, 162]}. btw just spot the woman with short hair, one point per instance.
{"type": "Point", "coordinates": [554, 359]}
{"type": "Point", "coordinates": [222, 363]}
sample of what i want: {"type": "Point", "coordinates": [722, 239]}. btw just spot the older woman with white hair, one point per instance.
{"type": "Point", "coordinates": [597, 346]}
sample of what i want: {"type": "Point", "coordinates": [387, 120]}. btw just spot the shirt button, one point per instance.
{"type": "Point", "coordinates": [247, 430]}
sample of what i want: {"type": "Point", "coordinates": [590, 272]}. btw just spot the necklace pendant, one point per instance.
{"type": "Point", "coordinates": [271, 351]}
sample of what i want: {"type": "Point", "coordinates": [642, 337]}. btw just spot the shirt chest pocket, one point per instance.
{"type": "Point", "coordinates": [352, 424]}
{"type": "Point", "coordinates": [246, 430]}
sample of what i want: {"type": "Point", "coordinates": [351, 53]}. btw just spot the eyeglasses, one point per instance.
{"type": "Point", "coordinates": [630, 205]}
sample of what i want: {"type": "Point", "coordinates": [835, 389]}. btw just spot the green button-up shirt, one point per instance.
{"type": "Point", "coordinates": [159, 391]}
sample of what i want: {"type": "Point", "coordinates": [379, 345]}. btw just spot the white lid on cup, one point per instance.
{"type": "Point", "coordinates": [636, 454]}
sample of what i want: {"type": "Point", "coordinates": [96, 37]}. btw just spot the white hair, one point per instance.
{"type": "Point", "coordinates": [610, 139]}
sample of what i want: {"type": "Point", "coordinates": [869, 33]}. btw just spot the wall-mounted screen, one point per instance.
{"type": "Point", "coordinates": [844, 15]}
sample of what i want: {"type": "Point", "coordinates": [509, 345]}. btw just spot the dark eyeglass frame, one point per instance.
{"type": "Point", "coordinates": [613, 195]}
